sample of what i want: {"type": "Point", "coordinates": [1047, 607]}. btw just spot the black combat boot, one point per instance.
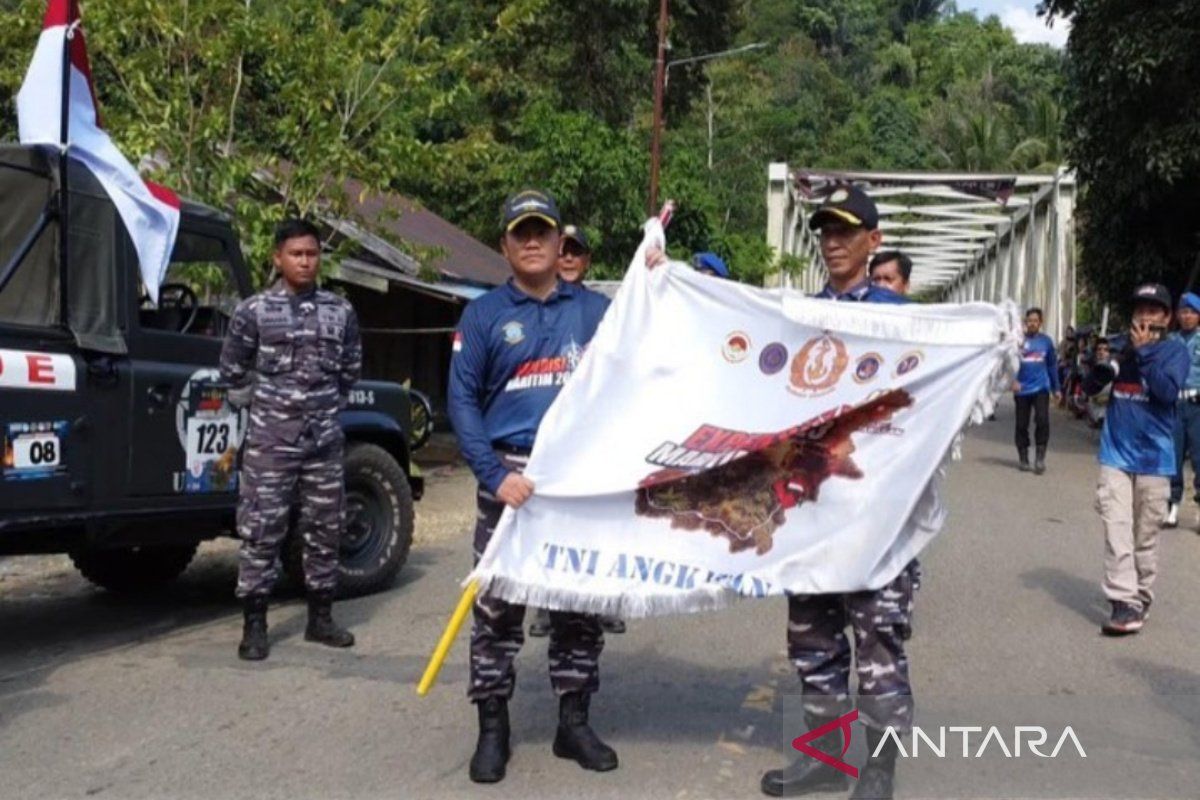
{"type": "Point", "coordinates": [877, 778]}
{"type": "Point", "coordinates": [321, 627]}
{"type": "Point", "coordinates": [1024, 456]}
{"type": "Point", "coordinates": [1039, 463]}
{"type": "Point", "coordinates": [576, 739]}
{"type": "Point", "coordinates": [254, 645]}
{"type": "Point", "coordinates": [806, 774]}
{"type": "Point", "coordinates": [492, 750]}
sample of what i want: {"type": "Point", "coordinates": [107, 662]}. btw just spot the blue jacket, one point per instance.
{"type": "Point", "coordinates": [1191, 341]}
{"type": "Point", "coordinates": [512, 355]}
{"type": "Point", "coordinates": [1139, 425]}
{"type": "Point", "coordinates": [1039, 367]}
{"type": "Point", "coordinates": [865, 292]}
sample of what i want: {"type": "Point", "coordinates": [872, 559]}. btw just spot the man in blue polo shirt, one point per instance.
{"type": "Point", "coordinates": [514, 349]}
{"type": "Point", "coordinates": [1187, 416]}
{"type": "Point", "coordinates": [1137, 454]}
{"type": "Point", "coordinates": [1036, 380]}
{"type": "Point", "coordinates": [880, 620]}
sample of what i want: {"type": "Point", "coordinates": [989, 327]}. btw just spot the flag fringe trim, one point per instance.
{"type": "Point", "coordinates": [625, 606]}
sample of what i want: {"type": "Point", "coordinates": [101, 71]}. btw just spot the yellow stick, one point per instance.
{"type": "Point", "coordinates": [443, 646]}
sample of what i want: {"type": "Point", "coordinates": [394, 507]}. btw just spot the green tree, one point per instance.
{"type": "Point", "coordinates": [1132, 128]}
{"type": "Point", "coordinates": [251, 106]}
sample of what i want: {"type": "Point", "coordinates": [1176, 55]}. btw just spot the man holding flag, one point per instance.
{"type": "Point", "coordinates": [513, 351]}
{"type": "Point", "coordinates": [848, 222]}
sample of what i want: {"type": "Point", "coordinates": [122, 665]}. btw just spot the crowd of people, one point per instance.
{"type": "Point", "coordinates": [303, 344]}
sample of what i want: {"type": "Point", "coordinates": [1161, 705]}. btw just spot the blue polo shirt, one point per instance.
{"type": "Point", "coordinates": [865, 292]}
{"type": "Point", "coordinates": [1139, 425]}
{"type": "Point", "coordinates": [512, 355]}
{"type": "Point", "coordinates": [1039, 366]}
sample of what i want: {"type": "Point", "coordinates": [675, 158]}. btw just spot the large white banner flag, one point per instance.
{"type": "Point", "coordinates": [719, 440]}
{"type": "Point", "coordinates": [150, 211]}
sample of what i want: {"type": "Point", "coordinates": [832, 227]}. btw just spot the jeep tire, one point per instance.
{"type": "Point", "coordinates": [133, 569]}
{"type": "Point", "coordinates": [379, 524]}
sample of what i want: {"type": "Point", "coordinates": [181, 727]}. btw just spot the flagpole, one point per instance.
{"type": "Point", "coordinates": [64, 217]}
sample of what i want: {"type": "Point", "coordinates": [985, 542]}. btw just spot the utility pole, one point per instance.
{"type": "Point", "coordinates": [660, 72]}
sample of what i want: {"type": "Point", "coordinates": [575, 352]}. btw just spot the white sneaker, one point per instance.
{"type": "Point", "coordinates": [1172, 515]}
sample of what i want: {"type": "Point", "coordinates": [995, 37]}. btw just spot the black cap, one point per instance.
{"type": "Point", "coordinates": [577, 235]}
{"type": "Point", "coordinates": [1153, 293]}
{"type": "Point", "coordinates": [530, 203]}
{"type": "Point", "coordinates": [848, 205]}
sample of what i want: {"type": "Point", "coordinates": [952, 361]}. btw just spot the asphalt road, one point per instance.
{"type": "Point", "coordinates": [104, 697]}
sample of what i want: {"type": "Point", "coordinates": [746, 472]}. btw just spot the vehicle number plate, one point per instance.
{"type": "Point", "coordinates": [208, 439]}
{"type": "Point", "coordinates": [36, 451]}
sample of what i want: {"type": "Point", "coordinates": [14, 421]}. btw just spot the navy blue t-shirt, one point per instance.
{"type": "Point", "coordinates": [512, 355]}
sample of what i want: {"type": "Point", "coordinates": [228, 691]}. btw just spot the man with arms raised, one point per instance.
{"type": "Point", "coordinates": [848, 222]}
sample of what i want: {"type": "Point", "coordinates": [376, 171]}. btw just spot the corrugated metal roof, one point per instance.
{"type": "Point", "coordinates": [466, 259]}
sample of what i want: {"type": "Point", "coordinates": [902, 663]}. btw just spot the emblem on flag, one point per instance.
{"type": "Point", "coordinates": [818, 366]}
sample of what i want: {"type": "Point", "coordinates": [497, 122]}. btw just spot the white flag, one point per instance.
{"type": "Point", "coordinates": [150, 211]}
{"type": "Point", "coordinates": [720, 440]}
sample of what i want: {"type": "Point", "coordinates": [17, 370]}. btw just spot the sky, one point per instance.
{"type": "Point", "coordinates": [1021, 16]}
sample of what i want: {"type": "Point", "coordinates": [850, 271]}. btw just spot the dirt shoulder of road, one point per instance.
{"type": "Point", "coordinates": [445, 515]}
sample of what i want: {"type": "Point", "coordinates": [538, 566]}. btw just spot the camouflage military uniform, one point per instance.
{"type": "Point", "coordinates": [499, 631]}
{"type": "Point", "coordinates": [301, 354]}
{"type": "Point", "coordinates": [881, 621]}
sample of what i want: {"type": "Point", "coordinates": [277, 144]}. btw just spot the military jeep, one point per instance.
{"type": "Point", "coordinates": [120, 443]}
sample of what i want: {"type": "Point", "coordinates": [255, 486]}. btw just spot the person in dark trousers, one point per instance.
{"type": "Point", "coordinates": [1137, 454]}
{"type": "Point", "coordinates": [1036, 380]}
{"type": "Point", "coordinates": [296, 349]}
{"type": "Point", "coordinates": [535, 323]}
{"type": "Point", "coordinates": [879, 620]}
{"type": "Point", "coordinates": [891, 269]}
{"type": "Point", "coordinates": [574, 261]}
{"type": "Point", "coordinates": [1187, 417]}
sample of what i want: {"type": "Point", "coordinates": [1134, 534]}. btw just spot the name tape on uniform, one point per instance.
{"type": "Point", "coordinates": [20, 369]}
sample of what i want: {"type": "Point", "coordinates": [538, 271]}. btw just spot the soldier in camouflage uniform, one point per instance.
{"type": "Point", "coordinates": [514, 348]}
{"type": "Point", "coordinates": [297, 349]}
{"type": "Point", "coordinates": [881, 619]}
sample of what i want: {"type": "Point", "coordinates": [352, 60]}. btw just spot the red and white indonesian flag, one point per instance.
{"type": "Point", "coordinates": [150, 212]}
{"type": "Point", "coordinates": [719, 440]}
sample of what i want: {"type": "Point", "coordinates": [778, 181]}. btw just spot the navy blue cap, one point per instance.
{"type": "Point", "coordinates": [1153, 293]}
{"type": "Point", "coordinates": [530, 203]}
{"type": "Point", "coordinates": [710, 261]}
{"type": "Point", "coordinates": [576, 234]}
{"type": "Point", "coordinates": [849, 205]}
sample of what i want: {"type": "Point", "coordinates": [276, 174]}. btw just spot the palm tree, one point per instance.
{"type": "Point", "coordinates": [1042, 149]}
{"type": "Point", "coordinates": [976, 141]}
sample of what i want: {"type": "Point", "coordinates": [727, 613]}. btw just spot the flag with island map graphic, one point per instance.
{"type": "Point", "coordinates": [720, 440]}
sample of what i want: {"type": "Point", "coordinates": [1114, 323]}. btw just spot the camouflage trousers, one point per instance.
{"type": "Point", "coordinates": [820, 650]}
{"type": "Point", "coordinates": [276, 477]}
{"type": "Point", "coordinates": [498, 630]}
